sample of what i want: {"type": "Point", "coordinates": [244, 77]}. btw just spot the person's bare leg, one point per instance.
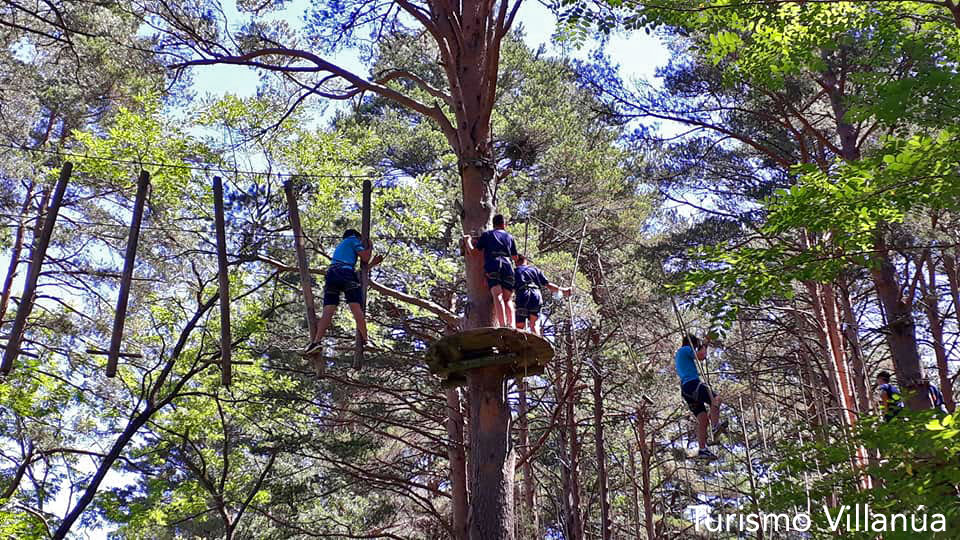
{"type": "Point", "coordinates": [521, 325]}
{"type": "Point", "coordinates": [360, 320]}
{"type": "Point", "coordinates": [324, 323]}
{"type": "Point", "coordinates": [535, 325]}
{"type": "Point", "coordinates": [509, 311]}
{"type": "Point", "coordinates": [702, 429]}
{"type": "Point", "coordinates": [499, 309]}
{"type": "Point", "coordinates": [715, 412]}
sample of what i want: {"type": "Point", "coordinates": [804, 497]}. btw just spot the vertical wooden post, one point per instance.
{"type": "Point", "coordinates": [299, 245]}
{"type": "Point", "coordinates": [127, 277]}
{"type": "Point", "coordinates": [33, 274]}
{"type": "Point", "coordinates": [364, 267]}
{"type": "Point", "coordinates": [224, 282]}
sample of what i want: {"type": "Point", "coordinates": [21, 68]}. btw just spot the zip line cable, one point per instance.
{"type": "Point", "coordinates": [207, 169]}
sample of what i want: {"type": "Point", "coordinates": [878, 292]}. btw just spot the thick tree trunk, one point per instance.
{"type": "Point", "coordinates": [491, 449]}
{"type": "Point", "coordinates": [458, 464]}
{"type": "Point", "coordinates": [491, 456]}
{"type": "Point", "coordinates": [900, 330]}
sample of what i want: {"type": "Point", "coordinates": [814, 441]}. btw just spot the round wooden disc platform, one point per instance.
{"type": "Point", "coordinates": [521, 352]}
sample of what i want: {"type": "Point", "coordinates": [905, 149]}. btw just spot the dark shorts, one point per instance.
{"type": "Point", "coordinates": [697, 395]}
{"type": "Point", "coordinates": [341, 279]}
{"type": "Point", "coordinates": [528, 302]}
{"type": "Point", "coordinates": [499, 271]}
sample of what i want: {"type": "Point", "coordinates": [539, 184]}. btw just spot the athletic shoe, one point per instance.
{"type": "Point", "coordinates": [706, 454]}
{"type": "Point", "coordinates": [313, 348]}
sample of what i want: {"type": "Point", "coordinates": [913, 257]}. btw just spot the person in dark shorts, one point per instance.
{"type": "Point", "coordinates": [529, 279]}
{"type": "Point", "coordinates": [891, 401]}
{"type": "Point", "coordinates": [697, 394]}
{"type": "Point", "coordinates": [342, 278]}
{"type": "Point", "coordinates": [499, 253]}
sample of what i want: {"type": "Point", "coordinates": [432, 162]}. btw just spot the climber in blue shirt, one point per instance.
{"type": "Point", "coordinates": [342, 278]}
{"type": "Point", "coordinates": [529, 279]}
{"type": "Point", "coordinates": [696, 393]}
{"type": "Point", "coordinates": [499, 253]}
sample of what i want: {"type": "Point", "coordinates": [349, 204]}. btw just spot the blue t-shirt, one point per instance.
{"type": "Point", "coordinates": [529, 277]}
{"type": "Point", "coordinates": [346, 252]}
{"type": "Point", "coordinates": [686, 364]}
{"type": "Point", "coordinates": [496, 243]}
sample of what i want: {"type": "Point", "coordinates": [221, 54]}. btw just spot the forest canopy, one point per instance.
{"type": "Point", "coordinates": [178, 180]}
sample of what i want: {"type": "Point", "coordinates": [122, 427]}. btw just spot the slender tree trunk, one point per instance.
{"type": "Point", "coordinates": [133, 426]}
{"type": "Point", "coordinates": [15, 254]}
{"type": "Point", "coordinates": [605, 525]}
{"type": "Point", "coordinates": [574, 519]}
{"type": "Point", "coordinates": [856, 350]}
{"type": "Point", "coordinates": [953, 279]}
{"type": "Point", "coordinates": [645, 483]}
{"type": "Point", "coordinates": [458, 464]}
{"type": "Point", "coordinates": [931, 306]}
{"type": "Point", "coordinates": [829, 302]}
{"type": "Point", "coordinates": [18, 475]}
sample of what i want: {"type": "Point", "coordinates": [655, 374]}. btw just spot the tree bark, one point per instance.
{"type": "Point", "coordinates": [15, 254]}
{"type": "Point", "coordinates": [931, 306]}
{"type": "Point", "coordinates": [573, 521]}
{"type": "Point", "coordinates": [531, 518]}
{"type": "Point", "coordinates": [458, 464]}
{"type": "Point", "coordinates": [900, 330]}
{"type": "Point", "coordinates": [491, 456]}
{"type": "Point", "coordinates": [856, 350]}
{"type": "Point", "coordinates": [605, 525]}
{"type": "Point", "coordinates": [645, 483]}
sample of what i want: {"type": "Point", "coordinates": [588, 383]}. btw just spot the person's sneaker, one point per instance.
{"type": "Point", "coordinates": [706, 454]}
{"type": "Point", "coordinates": [721, 427]}
{"type": "Point", "coordinates": [313, 348]}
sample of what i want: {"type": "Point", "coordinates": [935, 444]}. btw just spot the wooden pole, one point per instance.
{"type": "Point", "coordinates": [364, 267]}
{"type": "Point", "coordinates": [299, 245]}
{"type": "Point", "coordinates": [224, 282]}
{"type": "Point", "coordinates": [127, 276]}
{"type": "Point", "coordinates": [33, 273]}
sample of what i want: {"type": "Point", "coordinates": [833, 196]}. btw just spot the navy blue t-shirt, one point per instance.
{"type": "Point", "coordinates": [528, 277]}
{"type": "Point", "coordinates": [496, 243]}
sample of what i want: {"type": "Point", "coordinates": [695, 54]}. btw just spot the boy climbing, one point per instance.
{"type": "Point", "coordinates": [697, 394]}
{"type": "Point", "coordinates": [529, 279]}
{"type": "Point", "coordinates": [342, 278]}
{"type": "Point", "coordinates": [891, 402]}
{"type": "Point", "coordinates": [499, 254]}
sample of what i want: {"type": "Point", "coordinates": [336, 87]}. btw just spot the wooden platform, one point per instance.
{"type": "Point", "coordinates": [453, 356]}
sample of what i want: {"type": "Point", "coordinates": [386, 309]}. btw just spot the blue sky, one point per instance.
{"type": "Point", "coordinates": [637, 53]}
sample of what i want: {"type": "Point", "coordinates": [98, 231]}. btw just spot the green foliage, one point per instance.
{"type": "Point", "coordinates": [846, 207]}
{"type": "Point", "coordinates": [917, 472]}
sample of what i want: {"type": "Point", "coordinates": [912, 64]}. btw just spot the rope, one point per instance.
{"type": "Point", "coordinates": [573, 277]}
